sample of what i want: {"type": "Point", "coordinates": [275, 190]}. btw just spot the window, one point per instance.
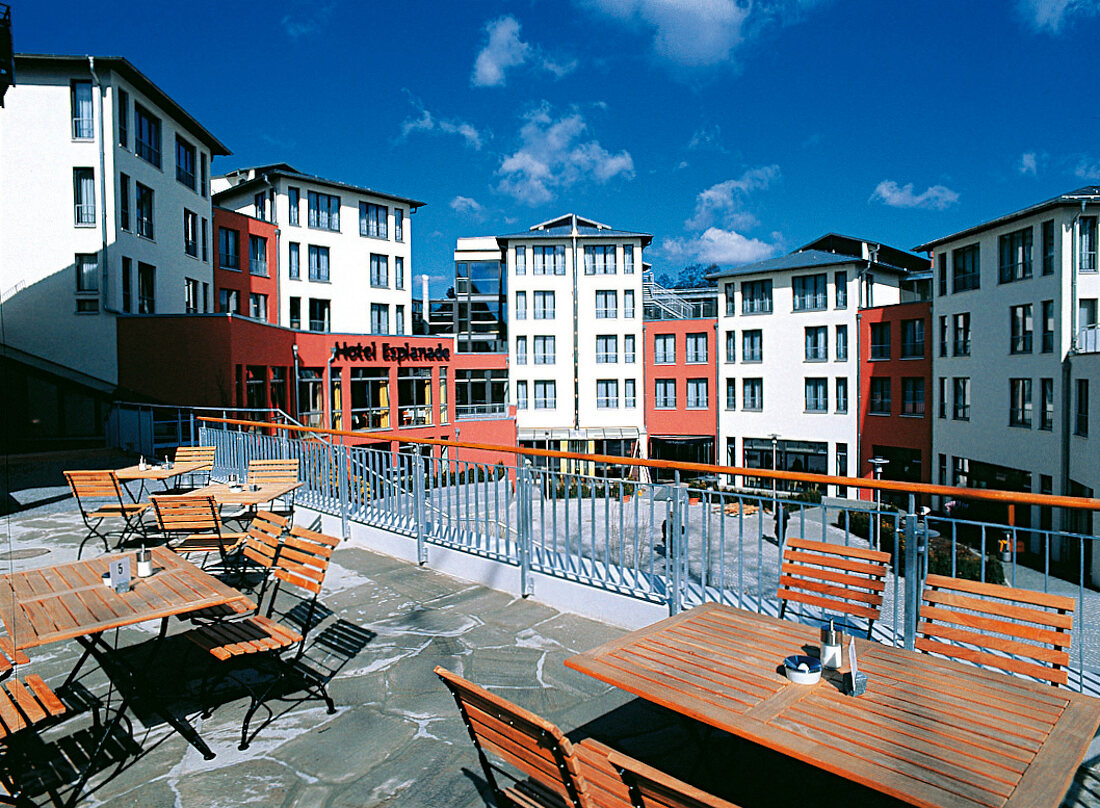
{"type": "Point", "coordinates": [379, 271]}
{"type": "Point", "coordinates": [521, 395]}
{"type": "Point", "coordinates": [630, 397]}
{"type": "Point", "coordinates": [548, 261]}
{"type": "Point", "coordinates": [880, 397]}
{"type": "Point", "coordinates": [752, 394]}
{"type": "Point", "coordinates": [943, 397]}
{"type": "Point", "coordinates": [257, 306]}
{"type": "Point", "coordinates": [842, 467]}
{"type": "Point", "coordinates": [966, 269]}
{"type": "Point", "coordinates": [628, 349]}
{"type": "Point", "coordinates": [842, 343]}
{"type": "Point", "coordinates": [817, 395]}
{"type": "Point", "coordinates": [521, 260]}
{"type": "Point", "coordinates": [962, 334]}
{"type": "Point", "coordinates": [1087, 253]}
{"type": "Point", "coordinates": [943, 335]}
{"type": "Point", "coordinates": [599, 260]}
{"type": "Point", "coordinates": [912, 339]}
{"type": "Point", "coordinates": [1015, 252]}
{"type": "Point", "coordinates": [144, 211]}
{"type": "Point", "coordinates": [521, 305]}
{"type": "Point", "coordinates": [324, 211]}
{"type": "Point", "coordinates": [293, 198]}
{"type": "Point", "coordinates": [1022, 329]}
{"type": "Point", "coordinates": [229, 248]}
{"type": "Point", "coordinates": [83, 196]}
{"type": "Point", "coordinates": [379, 318]}
{"type": "Point", "coordinates": [205, 236]}
{"type": "Point", "coordinates": [146, 135]}
{"type": "Point", "coordinates": [752, 345]}
{"type": "Point", "coordinates": [414, 396]}
{"type": "Point", "coordinates": [809, 292]}
{"type": "Point", "coordinates": [697, 394]}
{"type": "Point", "coordinates": [127, 285]}
{"type": "Point", "coordinates": [191, 233]}
{"type": "Point", "coordinates": [941, 271]}
{"type": "Point", "coordinates": [204, 184]}
{"type": "Point", "coordinates": [1086, 312]}
{"type": "Point", "coordinates": [124, 201]}
{"type": "Point", "coordinates": [1048, 247]}
{"type": "Point", "coordinates": [961, 410]}
{"type": "Point", "coordinates": [229, 301]}
{"type": "Point", "coordinates": [756, 297]}
{"type": "Point", "coordinates": [295, 312]}
{"type": "Point", "coordinates": [147, 289]}
{"type": "Point", "coordinates": [544, 305]}
{"type": "Point", "coordinates": [185, 163]}
{"type": "Point", "coordinates": [607, 394]}
{"type": "Point", "coordinates": [731, 394]}
{"type": "Point", "coordinates": [398, 272]}
{"type": "Point", "coordinates": [628, 259]}
{"type": "Point", "coordinates": [841, 395]}
{"type": "Point", "coordinates": [259, 206]}
{"type": "Point", "coordinates": [370, 398]}
{"type": "Point", "coordinates": [840, 289]}
{"type": "Point", "coordinates": [1048, 326]}
{"type": "Point", "coordinates": [83, 113]}
{"type": "Point", "coordinates": [372, 220]}
{"type": "Point", "coordinates": [545, 351]}
{"type": "Point", "coordinates": [87, 283]}
{"type": "Point", "coordinates": [664, 394]}
{"type": "Point", "coordinates": [257, 256]}
{"type": "Point", "coordinates": [521, 350]}
{"type": "Point", "coordinates": [398, 224]}
{"type": "Point", "coordinates": [628, 304]}
{"type": "Point", "coordinates": [123, 119]}
{"type": "Point", "coordinates": [731, 346]}
{"type": "Point", "coordinates": [607, 349]}
{"type": "Point", "coordinates": [318, 263]}
{"type": "Point", "coordinates": [880, 340]}
{"type": "Point", "coordinates": [1046, 417]}
{"type": "Point", "coordinates": [1081, 422]}
{"type": "Point", "coordinates": [399, 321]}
{"type": "Point", "coordinates": [190, 295]}
{"type": "Point", "coordinates": [294, 268]}
{"type": "Point", "coordinates": [1019, 413]}
{"type": "Point", "coordinates": [731, 301]}
{"type": "Point", "coordinates": [546, 395]}
{"type": "Point", "coordinates": [606, 304]}
{"type": "Point", "coordinates": [320, 315]}
{"type": "Point", "coordinates": [664, 349]}
{"type": "Point", "coordinates": [817, 344]}
{"type": "Point", "coordinates": [696, 348]}
{"type": "Point", "coordinates": [912, 396]}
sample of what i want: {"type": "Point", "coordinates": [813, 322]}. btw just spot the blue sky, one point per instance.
{"type": "Point", "coordinates": [731, 131]}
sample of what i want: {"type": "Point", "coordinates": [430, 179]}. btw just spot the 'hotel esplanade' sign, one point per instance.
{"type": "Point", "coordinates": [391, 353]}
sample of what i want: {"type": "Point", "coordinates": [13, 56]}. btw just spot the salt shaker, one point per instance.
{"type": "Point", "coordinates": [831, 647]}
{"type": "Point", "coordinates": [141, 463]}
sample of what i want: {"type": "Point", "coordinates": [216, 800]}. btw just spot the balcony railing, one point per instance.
{"type": "Point", "coordinates": [84, 214]}
{"type": "Point", "coordinates": [469, 412]}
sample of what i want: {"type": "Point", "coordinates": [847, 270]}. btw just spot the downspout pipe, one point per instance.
{"type": "Point", "coordinates": [297, 405]}
{"type": "Point", "coordinates": [104, 270]}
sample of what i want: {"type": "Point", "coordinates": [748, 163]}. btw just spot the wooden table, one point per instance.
{"type": "Point", "coordinates": [265, 493]}
{"type": "Point", "coordinates": [153, 472]}
{"type": "Point", "coordinates": [928, 731]}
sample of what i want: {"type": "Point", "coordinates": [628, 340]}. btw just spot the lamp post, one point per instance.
{"type": "Point", "coordinates": [877, 464]}
{"type": "Point", "coordinates": [775, 454]}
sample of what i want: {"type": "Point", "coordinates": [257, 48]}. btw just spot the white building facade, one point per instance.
{"type": "Point", "coordinates": [345, 252]}
{"type": "Point", "coordinates": [104, 209]}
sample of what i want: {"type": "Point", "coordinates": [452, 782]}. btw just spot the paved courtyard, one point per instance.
{"type": "Point", "coordinates": [396, 739]}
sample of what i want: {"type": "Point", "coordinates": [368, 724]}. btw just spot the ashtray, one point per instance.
{"type": "Point", "coordinates": [236, 489]}
{"type": "Point", "coordinates": [802, 670]}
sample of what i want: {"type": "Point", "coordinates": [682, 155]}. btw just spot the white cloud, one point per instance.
{"type": "Point", "coordinates": [426, 122]}
{"type": "Point", "coordinates": [467, 205]}
{"type": "Point", "coordinates": [1087, 169]}
{"type": "Point", "coordinates": [1029, 164]}
{"type": "Point", "coordinates": [725, 201]}
{"type": "Point", "coordinates": [554, 157]}
{"type": "Point", "coordinates": [718, 246]}
{"type": "Point", "coordinates": [937, 197]}
{"type": "Point", "coordinates": [306, 18]}
{"type": "Point", "coordinates": [505, 50]}
{"type": "Point", "coordinates": [1050, 15]}
{"type": "Point", "coordinates": [706, 137]}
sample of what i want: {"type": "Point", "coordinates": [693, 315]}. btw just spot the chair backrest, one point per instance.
{"type": "Point", "coordinates": [520, 738]}
{"type": "Point", "coordinates": [606, 787]}
{"type": "Point", "coordinates": [195, 454]}
{"type": "Point", "coordinates": [273, 471]}
{"type": "Point", "coordinates": [94, 485]}
{"type": "Point", "coordinates": [303, 558]}
{"type": "Point", "coordinates": [187, 514]}
{"type": "Point", "coordinates": [849, 580]}
{"type": "Point", "coordinates": [1013, 630]}
{"type": "Point", "coordinates": [652, 788]}
{"type": "Point", "coordinates": [262, 545]}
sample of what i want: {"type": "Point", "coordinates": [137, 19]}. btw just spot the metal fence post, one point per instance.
{"type": "Point", "coordinates": [524, 525]}
{"type": "Point", "coordinates": [912, 580]}
{"type": "Point", "coordinates": [342, 459]}
{"type": "Point", "coordinates": [419, 511]}
{"type": "Point", "coordinates": [193, 439]}
{"type": "Point", "coordinates": [674, 548]}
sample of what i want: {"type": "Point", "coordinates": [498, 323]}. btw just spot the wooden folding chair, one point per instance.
{"type": "Point", "coordinates": [25, 704]}
{"type": "Point", "coordinates": [848, 580]}
{"type": "Point", "coordinates": [280, 470]}
{"type": "Point", "coordinates": [652, 788]}
{"type": "Point", "coordinates": [197, 454]}
{"type": "Point", "coordinates": [1012, 630]}
{"type": "Point", "coordinates": [98, 495]}
{"type": "Point", "coordinates": [191, 524]}
{"type": "Point", "coordinates": [606, 787]}
{"type": "Point", "coordinates": [301, 562]}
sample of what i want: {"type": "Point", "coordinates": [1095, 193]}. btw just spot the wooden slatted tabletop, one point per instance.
{"type": "Point", "coordinates": [931, 732]}
{"type": "Point", "coordinates": [266, 492]}
{"type": "Point", "coordinates": [152, 472]}
{"type": "Point", "coordinates": [51, 604]}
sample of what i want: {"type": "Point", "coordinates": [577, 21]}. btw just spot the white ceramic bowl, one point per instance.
{"type": "Point", "coordinates": [802, 670]}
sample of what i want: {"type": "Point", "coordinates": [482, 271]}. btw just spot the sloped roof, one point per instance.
{"type": "Point", "coordinates": [806, 259]}
{"type": "Point", "coordinates": [288, 171]}
{"type": "Point", "coordinates": [563, 226]}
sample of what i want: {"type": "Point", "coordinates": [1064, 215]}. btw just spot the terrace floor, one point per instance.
{"type": "Point", "coordinates": [396, 739]}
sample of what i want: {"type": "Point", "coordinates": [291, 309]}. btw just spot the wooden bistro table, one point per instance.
{"type": "Point", "coordinates": [154, 472]}
{"type": "Point", "coordinates": [70, 602]}
{"type": "Point", "coordinates": [265, 492]}
{"type": "Point", "coordinates": [928, 731]}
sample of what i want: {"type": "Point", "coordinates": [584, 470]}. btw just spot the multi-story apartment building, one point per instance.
{"type": "Point", "coordinates": [246, 266]}
{"type": "Point", "coordinates": [788, 331]}
{"type": "Point", "coordinates": [345, 251]}
{"type": "Point", "coordinates": [1014, 309]}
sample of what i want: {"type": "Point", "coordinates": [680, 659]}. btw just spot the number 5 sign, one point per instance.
{"type": "Point", "coordinates": [120, 574]}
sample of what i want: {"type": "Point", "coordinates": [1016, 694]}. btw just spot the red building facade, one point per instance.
{"type": "Point", "coordinates": [246, 266]}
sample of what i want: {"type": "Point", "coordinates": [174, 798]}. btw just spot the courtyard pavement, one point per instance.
{"type": "Point", "coordinates": [395, 739]}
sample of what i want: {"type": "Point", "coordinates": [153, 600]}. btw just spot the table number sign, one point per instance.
{"type": "Point", "coordinates": [120, 574]}
{"type": "Point", "coordinates": [855, 683]}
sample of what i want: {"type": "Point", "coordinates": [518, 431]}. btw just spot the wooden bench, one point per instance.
{"type": "Point", "coordinates": [652, 788]}
{"type": "Point", "coordinates": [848, 580]}
{"type": "Point", "coordinates": [1013, 630]}
{"type": "Point", "coordinates": [103, 487]}
{"type": "Point", "coordinates": [197, 525]}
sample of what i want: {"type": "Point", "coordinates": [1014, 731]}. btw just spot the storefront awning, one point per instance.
{"type": "Point", "coordinates": [592, 433]}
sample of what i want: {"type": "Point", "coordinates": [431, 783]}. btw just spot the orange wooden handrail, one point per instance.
{"type": "Point", "coordinates": [984, 494]}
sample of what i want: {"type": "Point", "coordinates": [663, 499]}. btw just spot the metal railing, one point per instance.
{"type": "Point", "coordinates": [466, 412]}
{"type": "Point", "coordinates": [679, 543]}
{"type": "Point", "coordinates": [153, 429]}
